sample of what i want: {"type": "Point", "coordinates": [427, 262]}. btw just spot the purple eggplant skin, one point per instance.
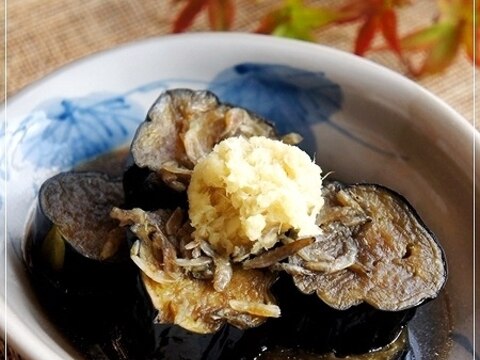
{"type": "Point", "coordinates": [320, 327]}
{"type": "Point", "coordinates": [76, 279]}
{"type": "Point", "coordinates": [172, 342]}
{"type": "Point", "coordinates": [90, 300]}
{"type": "Point", "coordinates": [310, 324]}
{"type": "Point", "coordinates": [78, 272]}
{"type": "Point", "coordinates": [144, 189]}
{"type": "Point", "coordinates": [85, 297]}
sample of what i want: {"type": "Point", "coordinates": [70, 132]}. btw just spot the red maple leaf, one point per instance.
{"type": "Point", "coordinates": [220, 14]}
{"type": "Point", "coordinates": [376, 16]}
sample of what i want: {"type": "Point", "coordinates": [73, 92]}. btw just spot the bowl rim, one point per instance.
{"type": "Point", "coordinates": [17, 333]}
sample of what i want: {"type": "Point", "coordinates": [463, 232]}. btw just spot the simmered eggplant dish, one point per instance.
{"type": "Point", "coordinates": [223, 240]}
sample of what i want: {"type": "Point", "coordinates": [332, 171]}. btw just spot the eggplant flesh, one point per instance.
{"type": "Point", "coordinates": [187, 282]}
{"type": "Point", "coordinates": [75, 253]}
{"type": "Point", "coordinates": [374, 249]}
{"type": "Point", "coordinates": [321, 337]}
{"type": "Point", "coordinates": [183, 126]}
{"type": "Point", "coordinates": [78, 206]}
{"type": "Point", "coordinates": [74, 248]}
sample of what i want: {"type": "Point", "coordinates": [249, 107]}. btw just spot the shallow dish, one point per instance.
{"type": "Point", "coordinates": [362, 121]}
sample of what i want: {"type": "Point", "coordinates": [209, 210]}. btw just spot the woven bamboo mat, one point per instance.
{"type": "Point", "coordinates": [43, 35]}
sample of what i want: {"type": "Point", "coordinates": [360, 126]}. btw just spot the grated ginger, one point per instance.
{"type": "Point", "coordinates": [246, 192]}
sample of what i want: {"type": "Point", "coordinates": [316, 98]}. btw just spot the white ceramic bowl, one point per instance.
{"type": "Point", "coordinates": [364, 122]}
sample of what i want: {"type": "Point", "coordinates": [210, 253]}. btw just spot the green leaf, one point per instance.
{"type": "Point", "coordinates": [289, 31]}
{"type": "Point", "coordinates": [309, 17]}
{"type": "Point", "coordinates": [443, 51]}
{"type": "Point", "coordinates": [425, 38]}
{"type": "Point", "coordinates": [296, 20]}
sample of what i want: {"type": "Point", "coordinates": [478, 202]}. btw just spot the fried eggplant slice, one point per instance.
{"type": "Point", "coordinates": [374, 249]}
{"type": "Point", "coordinates": [78, 204]}
{"type": "Point", "coordinates": [320, 328]}
{"type": "Point", "coordinates": [182, 127]}
{"type": "Point", "coordinates": [186, 280]}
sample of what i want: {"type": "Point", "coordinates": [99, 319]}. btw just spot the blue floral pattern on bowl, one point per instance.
{"type": "Point", "coordinates": [293, 99]}
{"type": "Point", "coordinates": [60, 133]}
